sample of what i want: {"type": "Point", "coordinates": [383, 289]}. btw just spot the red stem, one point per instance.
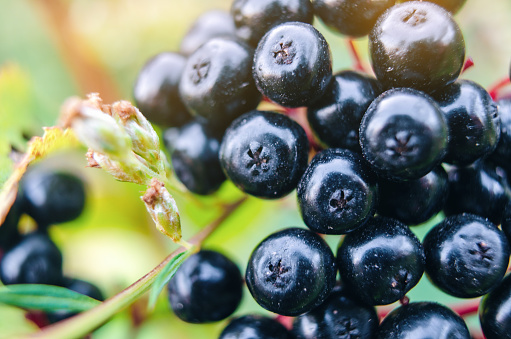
{"type": "Point", "coordinates": [466, 309]}
{"type": "Point", "coordinates": [468, 64]}
{"type": "Point", "coordinates": [357, 61]}
{"type": "Point", "coordinates": [495, 88]}
{"type": "Point", "coordinates": [287, 322]}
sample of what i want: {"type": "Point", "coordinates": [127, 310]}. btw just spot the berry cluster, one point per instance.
{"type": "Point", "coordinates": [369, 156]}
{"type": "Point", "coordinates": [49, 197]}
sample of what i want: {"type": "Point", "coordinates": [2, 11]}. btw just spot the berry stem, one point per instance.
{"type": "Point", "coordinates": [86, 322]}
{"type": "Point", "coordinates": [495, 88]}
{"type": "Point", "coordinates": [466, 309]}
{"type": "Point", "coordinates": [468, 64]}
{"type": "Point", "coordinates": [355, 56]}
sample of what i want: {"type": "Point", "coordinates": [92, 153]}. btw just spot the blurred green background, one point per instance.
{"type": "Point", "coordinates": [53, 49]}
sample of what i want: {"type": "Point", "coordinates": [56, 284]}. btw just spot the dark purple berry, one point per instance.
{"type": "Point", "coordinates": [194, 155]}
{"type": "Point", "coordinates": [403, 134]}
{"type": "Point", "coordinates": [380, 262]}
{"type": "Point", "coordinates": [414, 201]}
{"type": "Point", "coordinates": [355, 18]}
{"type": "Point", "coordinates": [335, 118]}
{"type": "Point", "coordinates": [253, 18]}
{"type": "Point", "coordinates": [416, 44]}
{"type": "Point", "coordinates": [253, 327]}
{"type": "Point", "coordinates": [217, 83]}
{"type": "Point", "coordinates": [35, 260]}
{"type": "Point", "coordinates": [264, 154]}
{"type": "Point", "coordinates": [337, 193]}
{"type": "Point", "coordinates": [156, 90]}
{"type": "Point", "coordinates": [207, 287]}
{"type": "Point", "coordinates": [293, 64]}
{"type": "Point", "coordinates": [291, 272]}
{"type": "Point", "coordinates": [423, 320]}
{"type": "Point", "coordinates": [211, 24]}
{"type": "Point", "coordinates": [466, 255]}
{"type": "Point", "coordinates": [495, 311]}
{"type": "Point", "coordinates": [473, 121]}
{"type": "Point", "coordinates": [340, 316]}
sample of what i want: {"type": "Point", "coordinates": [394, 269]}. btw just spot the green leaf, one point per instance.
{"type": "Point", "coordinates": [45, 298]}
{"type": "Point", "coordinates": [164, 277]}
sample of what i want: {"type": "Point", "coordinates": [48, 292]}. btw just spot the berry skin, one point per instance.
{"type": "Point", "coordinates": [466, 255]}
{"type": "Point", "coordinates": [403, 134]}
{"type": "Point", "coordinates": [253, 327]}
{"type": "Point", "coordinates": [35, 260]}
{"type": "Point", "coordinates": [207, 287]}
{"type": "Point", "coordinates": [52, 197]}
{"type": "Point", "coordinates": [355, 18]}
{"type": "Point", "coordinates": [264, 154]}
{"type": "Point", "coordinates": [452, 6]}
{"type": "Point", "coordinates": [414, 201]}
{"type": "Point", "coordinates": [335, 118]}
{"type": "Point", "coordinates": [502, 153]}
{"type": "Point", "coordinates": [506, 221]}
{"type": "Point", "coordinates": [253, 18]}
{"type": "Point", "coordinates": [217, 83]}
{"type": "Point", "coordinates": [80, 286]}
{"type": "Point", "coordinates": [291, 272]}
{"type": "Point", "coordinates": [9, 234]}
{"type": "Point", "coordinates": [211, 24]}
{"type": "Point", "coordinates": [418, 45]}
{"type": "Point", "coordinates": [292, 64]}
{"type": "Point", "coordinates": [156, 90]}
{"type": "Point", "coordinates": [473, 121]}
{"type": "Point", "coordinates": [337, 193]}
{"type": "Point", "coordinates": [195, 158]}
{"type": "Point", "coordinates": [339, 317]}
{"type": "Point", "coordinates": [423, 320]}
{"type": "Point", "coordinates": [495, 311]}
{"type": "Point", "coordinates": [480, 189]}
{"type": "Point", "coordinates": [380, 262]}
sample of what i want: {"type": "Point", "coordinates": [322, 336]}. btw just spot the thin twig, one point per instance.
{"type": "Point", "coordinates": [88, 321]}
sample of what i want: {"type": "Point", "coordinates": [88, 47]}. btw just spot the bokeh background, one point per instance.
{"type": "Point", "coordinates": [53, 49]}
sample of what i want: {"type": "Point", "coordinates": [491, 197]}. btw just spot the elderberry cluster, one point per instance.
{"type": "Point", "coordinates": [374, 156]}
{"type": "Point", "coordinates": [49, 197]}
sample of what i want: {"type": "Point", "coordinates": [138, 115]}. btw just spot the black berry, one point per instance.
{"type": "Point", "coordinates": [291, 272]}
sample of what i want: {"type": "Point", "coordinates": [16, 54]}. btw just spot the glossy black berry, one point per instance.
{"type": "Point", "coordinates": [9, 234]}
{"type": "Point", "coordinates": [264, 154]}
{"type": "Point", "coordinates": [473, 120]}
{"type": "Point", "coordinates": [207, 287]}
{"type": "Point", "coordinates": [253, 327]}
{"type": "Point", "coordinates": [211, 24]}
{"type": "Point", "coordinates": [480, 189]}
{"type": "Point", "coordinates": [414, 201]}
{"type": "Point", "coordinates": [156, 90]}
{"type": "Point", "coordinates": [466, 255]}
{"type": "Point", "coordinates": [381, 261]}
{"type": "Point", "coordinates": [335, 118]}
{"type": "Point", "coordinates": [355, 18]}
{"type": "Point", "coordinates": [35, 260]}
{"type": "Point", "coordinates": [217, 83]}
{"type": "Point", "coordinates": [495, 311]}
{"type": "Point", "coordinates": [338, 192]}
{"type": "Point", "coordinates": [340, 317]}
{"type": "Point", "coordinates": [253, 18]}
{"type": "Point", "coordinates": [195, 158]}
{"type": "Point", "coordinates": [80, 286]}
{"type": "Point", "coordinates": [403, 134]}
{"type": "Point", "coordinates": [423, 320]}
{"type": "Point", "coordinates": [418, 45]}
{"type": "Point", "coordinates": [452, 6]}
{"type": "Point", "coordinates": [506, 221]}
{"type": "Point", "coordinates": [502, 153]}
{"type": "Point", "coordinates": [293, 64]}
{"type": "Point", "coordinates": [52, 197]}
{"type": "Point", "coordinates": [291, 272]}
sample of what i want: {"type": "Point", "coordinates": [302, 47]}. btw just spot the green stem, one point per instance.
{"type": "Point", "coordinates": [86, 322]}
